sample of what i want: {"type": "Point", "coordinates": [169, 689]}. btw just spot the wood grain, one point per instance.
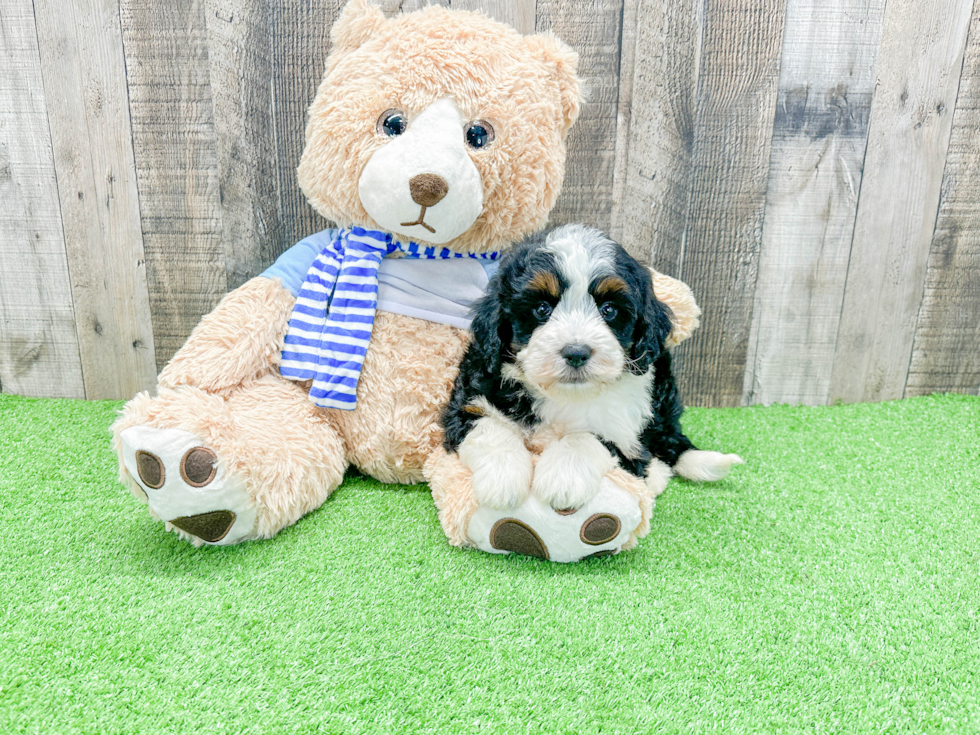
{"type": "Point", "coordinates": [826, 84]}
{"type": "Point", "coordinates": [38, 345]}
{"type": "Point", "coordinates": [593, 30]}
{"type": "Point", "coordinates": [516, 13]}
{"type": "Point", "coordinates": [918, 70]}
{"type": "Point", "coordinates": [946, 352]}
{"type": "Point", "coordinates": [88, 107]}
{"type": "Point", "coordinates": [656, 124]}
{"type": "Point", "coordinates": [736, 102]}
{"type": "Point", "coordinates": [176, 156]}
{"type": "Point", "coordinates": [299, 44]}
{"type": "Point", "coordinates": [240, 65]}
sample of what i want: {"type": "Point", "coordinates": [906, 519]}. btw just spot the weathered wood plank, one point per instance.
{"type": "Point", "coordinates": [826, 84]}
{"type": "Point", "coordinates": [593, 30]}
{"type": "Point", "coordinates": [299, 44]}
{"type": "Point", "coordinates": [656, 128]}
{"type": "Point", "coordinates": [946, 353]}
{"type": "Point", "coordinates": [736, 101]}
{"type": "Point", "coordinates": [240, 64]}
{"type": "Point", "coordinates": [88, 107]}
{"type": "Point", "coordinates": [517, 13]}
{"type": "Point", "coordinates": [38, 344]}
{"type": "Point", "coordinates": [918, 70]}
{"type": "Point", "coordinates": [176, 163]}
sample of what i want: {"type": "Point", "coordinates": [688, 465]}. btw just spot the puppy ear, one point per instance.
{"type": "Point", "coordinates": [649, 335]}
{"type": "Point", "coordinates": [490, 334]}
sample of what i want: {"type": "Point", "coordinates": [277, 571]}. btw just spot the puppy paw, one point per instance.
{"type": "Point", "coordinates": [495, 454]}
{"type": "Point", "coordinates": [703, 466]}
{"type": "Point", "coordinates": [658, 475]}
{"type": "Point", "coordinates": [569, 471]}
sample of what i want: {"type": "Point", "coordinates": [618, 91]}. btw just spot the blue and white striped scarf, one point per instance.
{"type": "Point", "coordinates": [330, 327]}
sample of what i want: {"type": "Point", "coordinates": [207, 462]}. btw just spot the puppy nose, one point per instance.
{"type": "Point", "coordinates": [576, 355]}
{"type": "Point", "coordinates": [427, 189]}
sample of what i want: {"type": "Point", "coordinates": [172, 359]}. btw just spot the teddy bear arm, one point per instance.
{"type": "Point", "coordinates": [685, 312]}
{"type": "Point", "coordinates": [240, 340]}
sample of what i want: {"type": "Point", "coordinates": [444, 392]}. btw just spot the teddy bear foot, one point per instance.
{"type": "Point", "coordinates": [599, 528]}
{"type": "Point", "coordinates": [187, 487]}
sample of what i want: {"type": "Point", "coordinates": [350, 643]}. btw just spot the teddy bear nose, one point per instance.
{"type": "Point", "coordinates": [428, 189]}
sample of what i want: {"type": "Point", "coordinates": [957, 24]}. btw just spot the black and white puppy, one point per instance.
{"type": "Point", "coordinates": [569, 339]}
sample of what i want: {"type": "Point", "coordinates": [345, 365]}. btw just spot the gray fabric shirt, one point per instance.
{"type": "Point", "coordinates": [441, 291]}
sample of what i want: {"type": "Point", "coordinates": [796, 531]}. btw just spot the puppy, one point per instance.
{"type": "Point", "coordinates": [568, 354]}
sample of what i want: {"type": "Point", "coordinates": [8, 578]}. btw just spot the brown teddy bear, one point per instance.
{"type": "Point", "coordinates": [437, 139]}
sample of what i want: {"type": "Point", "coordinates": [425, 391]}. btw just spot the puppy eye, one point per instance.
{"type": "Point", "coordinates": [542, 311]}
{"type": "Point", "coordinates": [392, 123]}
{"type": "Point", "coordinates": [479, 134]}
{"type": "Point", "coordinates": [608, 311]}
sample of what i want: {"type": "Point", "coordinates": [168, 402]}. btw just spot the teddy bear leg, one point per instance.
{"type": "Point", "coordinates": [225, 469]}
{"type": "Point", "coordinates": [610, 521]}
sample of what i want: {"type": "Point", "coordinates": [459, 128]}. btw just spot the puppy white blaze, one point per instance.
{"type": "Point", "coordinates": [432, 144]}
{"type": "Point", "coordinates": [582, 254]}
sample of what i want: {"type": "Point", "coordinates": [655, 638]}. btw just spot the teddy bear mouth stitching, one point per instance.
{"type": "Point", "coordinates": [420, 222]}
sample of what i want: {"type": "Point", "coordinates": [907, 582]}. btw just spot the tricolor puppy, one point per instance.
{"type": "Point", "coordinates": [568, 351]}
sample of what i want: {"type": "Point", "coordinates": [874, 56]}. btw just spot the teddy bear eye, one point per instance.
{"type": "Point", "coordinates": [392, 123]}
{"type": "Point", "coordinates": [542, 311]}
{"type": "Point", "coordinates": [479, 134]}
{"type": "Point", "coordinates": [608, 311]}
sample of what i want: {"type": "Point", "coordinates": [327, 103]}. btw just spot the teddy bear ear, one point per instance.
{"type": "Point", "coordinates": [685, 314]}
{"type": "Point", "coordinates": [565, 62]}
{"type": "Point", "coordinates": [358, 21]}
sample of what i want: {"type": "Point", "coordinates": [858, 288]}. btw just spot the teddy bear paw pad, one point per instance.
{"type": "Point", "coordinates": [534, 528]}
{"type": "Point", "coordinates": [509, 534]}
{"type": "Point", "coordinates": [186, 485]}
{"type": "Point", "coordinates": [600, 528]}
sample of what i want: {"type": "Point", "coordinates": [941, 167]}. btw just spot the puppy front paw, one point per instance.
{"type": "Point", "coordinates": [568, 472]}
{"type": "Point", "coordinates": [501, 465]}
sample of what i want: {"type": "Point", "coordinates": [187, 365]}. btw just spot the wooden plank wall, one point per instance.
{"type": "Point", "coordinates": [809, 167]}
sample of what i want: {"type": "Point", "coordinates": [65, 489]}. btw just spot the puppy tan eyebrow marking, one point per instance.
{"type": "Point", "coordinates": [546, 282]}
{"type": "Point", "coordinates": [609, 286]}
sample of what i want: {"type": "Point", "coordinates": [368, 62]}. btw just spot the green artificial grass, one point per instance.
{"type": "Point", "coordinates": [830, 585]}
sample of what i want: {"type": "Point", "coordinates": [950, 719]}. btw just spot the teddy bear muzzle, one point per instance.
{"type": "Point", "coordinates": [422, 183]}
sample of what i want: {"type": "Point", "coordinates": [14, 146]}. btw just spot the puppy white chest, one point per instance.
{"type": "Point", "coordinates": [617, 415]}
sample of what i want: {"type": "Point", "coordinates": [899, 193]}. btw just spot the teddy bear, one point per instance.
{"type": "Point", "coordinates": [436, 141]}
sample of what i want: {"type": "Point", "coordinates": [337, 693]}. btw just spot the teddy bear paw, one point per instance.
{"type": "Point", "coordinates": [600, 527]}
{"type": "Point", "coordinates": [187, 487]}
